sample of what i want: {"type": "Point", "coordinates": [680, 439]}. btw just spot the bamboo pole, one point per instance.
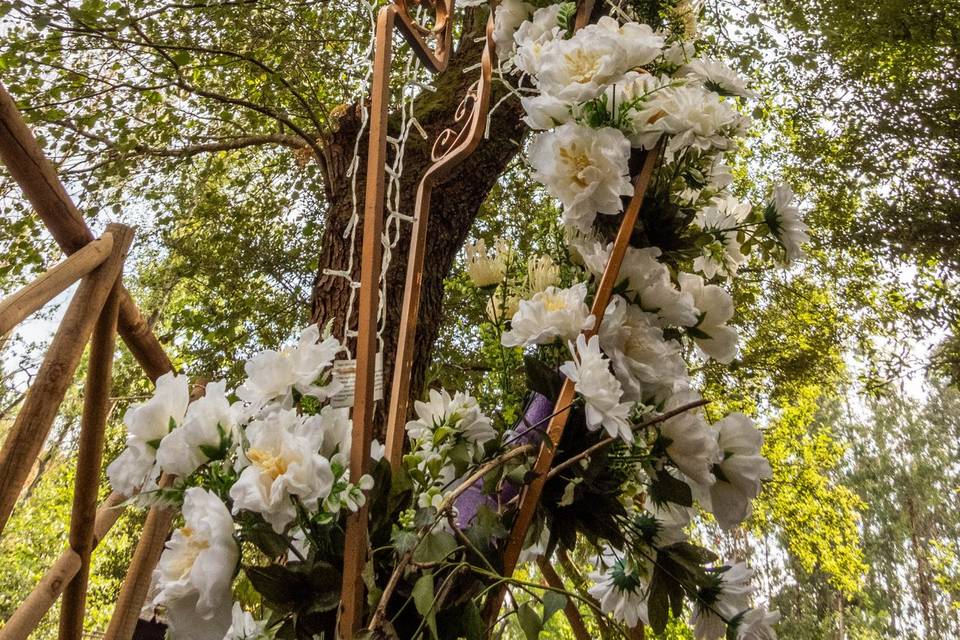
{"type": "Point", "coordinates": [31, 611]}
{"type": "Point", "coordinates": [43, 399]}
{"type": "Point", "coordinates": [38, 180]}
{"type": "Point", "coordinates": [19, 305]}
{"type": "Point", "coordinates": [552, 578]}
{"type": "Point", "coordinates": [530, 496]}
{"type": "Point", "coordinates": [96, 407]}
{"type": "Point", "coordinates": [355, 545]}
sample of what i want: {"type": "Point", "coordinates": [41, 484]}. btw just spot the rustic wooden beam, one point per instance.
{"type": "Point", "coordinates": [31, 611]}
{"type": "Point", "coordinates": [530, 495]}
{"type": "Point", "coordinates": [25, 440]}
{"type": "Point", "coordinates": [356, 543]}
{"type": "Point", "coordinates": [17, 306]}
{"type": "Point", "coordinates": [93, 422]}
{"type": "Point", "coordinates": [37, 178]}
{"type": "Point", "coordinates": [553, 579]}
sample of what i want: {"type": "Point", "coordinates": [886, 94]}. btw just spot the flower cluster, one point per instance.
{"type": "Point", "coordinates": [270, 456]}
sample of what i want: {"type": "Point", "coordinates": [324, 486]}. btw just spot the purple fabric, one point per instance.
{"type": "Point", "coordinates": [529, 429]}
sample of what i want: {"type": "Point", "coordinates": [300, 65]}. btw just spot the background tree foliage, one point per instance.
{"type": "Point", "coordinates": [205, 124]}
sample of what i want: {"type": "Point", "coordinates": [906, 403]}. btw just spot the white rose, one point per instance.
{"type": "Point", "coordinates": [550, 314]}
{"type": "Point", "coordinates": [577, 69]}
{"type": "Point", "coordinates": [208, 420]}
{"type": "Point", "coordinates": [509, 15]}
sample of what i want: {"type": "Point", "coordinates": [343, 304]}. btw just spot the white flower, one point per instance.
{"type": "Point", "coordinates": [550, 314]}
{"type": "Point", "coordinates": [621, 592]}
{"type": "Point", "coordinates": [687, 13]}
{"type": "Point", "coordinates": [337, 430]}
{"type": "Point", "coordinates": [757, 624]}
{"type": "Point", "coordinates": [586, 169]}
{"type": "Point", "coordinates": [600, 389]}
{"type": "Point", "coordinates": [721, 219]}
{"type": "Point", "coordinates": [245, 627]}
{"type": "Point", "coordinates": [671, 521]}
{"type": "Point", "coordinates": [715, 307]}
{"type": "Point", "coordinates": [728, 596]}
{"type": "Point", "coordinates": [195, 570]}
{"type": "Point", "coordinates": [509, 15]}
{"type": "Point", "coordinates": [577, 69]}
{"type": "Point", "coordinates": [640, 44]}
{"type": "Point", "coordinates": [545, 111]}
{"type": "Point", "coordinates": [634, 104]}
{"type": "Point", "coordinates": [647, 365]}
{"type": "Point", "coordinates": [534, 36]}
{"type": "Point", "coordinates": [691, 444]}
{"type": "Point", "coordinates": [679, 52]}
{"type": "Point", "coordinates": [783, 218]}
{"type": "Point", "coordinates": [443, 416]}
{"type": "Point", "coordinates": [697, 119]}
{"type": "Point", "coordinates": [485, 268]}
{"type": "Point", "coordinates": [717, 77]}
{"type": "Point", "coordinates": [741, 470]}
{"type": "Point", "coordinates": [209, 423]}
{"type": "Point", "coordinates": [542, 272]}
{"type": "Point", "coordinates": [147, 424]}
{"type": "Point", "coordinates": [274, 374]}
{"type": "Point", "coordinates": [282, 462]}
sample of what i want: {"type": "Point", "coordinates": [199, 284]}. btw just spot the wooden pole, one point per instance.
{"type": "Point", "coordinates": [530, 496]}
{"type": "Point", "coordinates": [553, 579]}
{"type": "Point", "coordinates": [43, 399]}
{"type": "Point", "coordinates": [19, 305]}
{"type": "Point", "coordinates": [355, 546]}
{"type": "Point", "coordinates": [38, 179]}
{"type": "Point", "coordinates": [96, 407]}
{"type": "Point", "coordinates": [31, 611]}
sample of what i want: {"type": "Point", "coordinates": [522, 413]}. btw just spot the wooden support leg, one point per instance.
{"type": "Point", "coordinates": [45, 288]}
{"type": "Point", "coordinates": [96, 407]}
{"type": "Point", "coordinates": [33, 423]}
{"type": "Point", "coordinates": [553, 579]}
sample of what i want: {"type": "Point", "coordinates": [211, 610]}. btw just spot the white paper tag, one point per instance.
{"type": "Point", "coordinates": [346, 373]}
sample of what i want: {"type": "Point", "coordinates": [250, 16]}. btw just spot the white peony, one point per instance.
{"type": "Point", "coordinates": [722, 220]}
{"type": "Point", "coordinates": [209, 422]}
{"type": "Point", "coordinates": [697, 119]}
{"type": "Point", "coordinates": [691, 444]}
{"type": "Point", "coordinates": [599, 388]}
{"type": "Point", "coordinates": [585, 168]}
{"type": "Point", "coordinates": [621, 591]}
{"type": "Point", "coordinates": [717, 77]}
{"type": "Point", "coordinates": [577, 69]}
{"type": "Point", "coordinates": [741, 470]}
{"type": "Point", "coordinates": [147, 424]}
{"type": "Point", "coordinates": [274, 375]}
{"type": "Point", "coordinates": [729, 596]}
{"type": "Point", "coordinates": [545, 111]}
{"type": "Point", "coordinates": [550, 314]}
{"type": "Point", "coordinates": [640, 43]}
{"type": "Point", "coordinates": [282, 462]}
{"type": "Point", "coordinates": [783, 218]}
{"type": "Point", "coordinates": [443, 415]}
{"type": "Point", "coordinates": [647, 365]}
{"type": "Point", "coordinates": [757, 624]}
{"type": "Point", "coordinates": [509, 15]}
{"type": "Point", "coordinates": [535, 35]}
{"type": "Point", "coordinates": [194, 573]}
{"type": "Point", "coordinates": [244, 626]}
{"type": "Point", "coordinates": [715, 308]}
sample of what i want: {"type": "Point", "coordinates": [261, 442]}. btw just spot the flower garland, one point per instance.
{"type": "Point", "coordinates": [261, 473]}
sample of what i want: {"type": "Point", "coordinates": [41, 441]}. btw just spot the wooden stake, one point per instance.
{"type": "Point", "coordinates": [530, 496]}
{"type": "Point", "coordinates": [50, 284]}
{"type": "Point", "coordinates": [38, 179]}
{"type": "Point", "coordinates": [31, 611]}
{"type": "Point", "coordinates": [43, 399]}
{"type": "Point", "coordinates": [96, 407]}
{"type": "Point", "coordinates": [356, 543]}
{"type": "Point", "coordinates": [553, 579]}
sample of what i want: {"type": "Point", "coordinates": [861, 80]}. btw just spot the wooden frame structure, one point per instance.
{"type": "Point", "coordinates": [101, 308]}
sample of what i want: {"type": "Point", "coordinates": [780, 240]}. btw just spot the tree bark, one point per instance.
{"type": "Point", "coordinates": [455, 204]}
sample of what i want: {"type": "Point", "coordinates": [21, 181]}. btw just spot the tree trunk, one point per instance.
{"type": "Point", "coordinates": [455, 204]}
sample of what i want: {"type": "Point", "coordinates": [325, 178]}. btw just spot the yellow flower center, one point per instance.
{"type": "Point", "coordinates": [553, 303]}
{"type": "Point", "coordinates": [582, 66]}
{"type": "Point", "coordinates": [578, 161]}
{"type": "Point", "coordinates": [273, 466]}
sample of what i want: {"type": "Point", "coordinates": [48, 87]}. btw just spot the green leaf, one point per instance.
{"type": "Point", "coordinates": [552, 602]}
{"type": "Point", "coordinates": [658, 602]}
{"type": "Point", "coordinates": [529, 621]}
{"type": "Point", "coordinates": [278, 585]}
{"type": "Point", "coordinates": [423, 600]}
{"type": "Point", "coordinates": [436, 546]}
{"type": "Point", "coordinates": [666, 488]}
{"type": "Point", "coordinates": [472, 623]}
